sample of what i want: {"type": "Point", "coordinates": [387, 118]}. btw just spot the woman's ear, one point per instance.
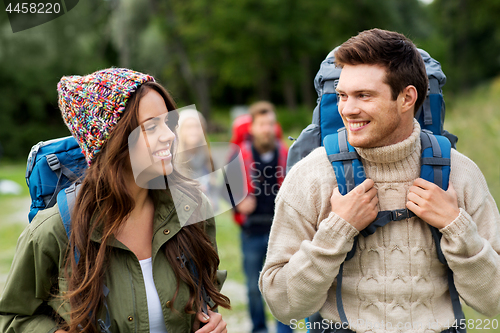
{"type": "Point", "coordinates": [407, 98]}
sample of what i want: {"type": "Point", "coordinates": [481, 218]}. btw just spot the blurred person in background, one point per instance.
{"type": "Point", "coordinates": [264, 156]}
{"type": "Point", "coordinates": [194, 160]}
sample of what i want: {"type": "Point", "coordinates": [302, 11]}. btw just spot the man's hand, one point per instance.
{"type": "Point", "coordinates": [433, 205]}
{"type": "Point", "coordinates": [247, 206]}
{"type": "Point", "coordinates": [213, 323]}
{"type": "Point", "coordinates": [358, 207]}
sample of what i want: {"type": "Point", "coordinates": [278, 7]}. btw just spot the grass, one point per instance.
{"type": "Point", "coordinates": [472, 117]}
{"type": "Point", "coordinates": [12, 223]}
{"type": "Point", "coordinates": [475, 119]}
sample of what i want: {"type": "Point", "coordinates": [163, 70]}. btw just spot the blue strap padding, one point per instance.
{"type": "Point", "coordinates": [330, 119]}
{"type": "Point", "coordinates": [66, 201]}
{"type": "Point", "coordinates": [337, 143]}
{"type": "Point", "coordinates": [436, 150]}
{"type": "Point", "coordinates": [64, 211]}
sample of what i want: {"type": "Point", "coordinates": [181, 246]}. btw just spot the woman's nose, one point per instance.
{"type": "Point", "coordinates": [166, 134]}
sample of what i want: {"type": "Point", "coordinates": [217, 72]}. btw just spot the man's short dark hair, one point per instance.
{"type": "Point", "coordinates": [393, 51]}
{"type": "Point", "coordinates": [261, 107]}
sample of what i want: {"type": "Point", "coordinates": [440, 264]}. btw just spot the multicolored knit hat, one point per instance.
{"type": "Point", "coordinates": [91, 105]}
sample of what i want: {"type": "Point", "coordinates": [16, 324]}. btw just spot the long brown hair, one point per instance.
{"type": "Point", "coordinates": [104, 202]}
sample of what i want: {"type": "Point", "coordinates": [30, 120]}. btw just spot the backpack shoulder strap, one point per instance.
{"type": "Point", "coordinates": [436, 165]}
{"type": "Point", "coordinates": [349, 172]}
{"type": "Point", "coordinates": [345, 161]}
{"type": "Point", "coordinates": [66, 202]}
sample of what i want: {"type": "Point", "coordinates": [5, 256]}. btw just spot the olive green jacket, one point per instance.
{"type": "Point", "coordinates": [27, 303]}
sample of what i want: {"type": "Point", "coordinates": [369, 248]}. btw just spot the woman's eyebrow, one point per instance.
{"type": "Point", "coordinates": [151, 119]}
{"type": "Point", "coordinates": [157, 118]}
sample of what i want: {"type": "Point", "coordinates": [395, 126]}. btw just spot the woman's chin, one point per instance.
{"type": "Point", "coordinates": [154, 176]}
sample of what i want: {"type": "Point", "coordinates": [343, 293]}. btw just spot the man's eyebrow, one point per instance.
{"type": "Point", "coordinates": [372, 92]}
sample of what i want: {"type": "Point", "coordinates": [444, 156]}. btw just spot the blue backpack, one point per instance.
{"type": "Point", "coordinates": [52, 166]}
{"type": "Point", "coordinates": [327, 129]}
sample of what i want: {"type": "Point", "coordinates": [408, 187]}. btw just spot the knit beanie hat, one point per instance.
{"type": "Point", "coordinates": [92, 105]}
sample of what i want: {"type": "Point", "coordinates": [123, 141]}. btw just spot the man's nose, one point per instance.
{"type": "Point", "coordinates": [348, 106]}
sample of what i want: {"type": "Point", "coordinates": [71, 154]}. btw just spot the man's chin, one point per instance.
{"type": "Point", "coordinates": [267, 146]}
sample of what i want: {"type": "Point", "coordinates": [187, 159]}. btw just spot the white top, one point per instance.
{"type": "Point", "coordinates": [267, 157]}
{"type": "Point", "coordinates": [156, 321]}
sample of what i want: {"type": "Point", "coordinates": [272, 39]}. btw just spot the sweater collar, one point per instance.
{"type": "Point", "coordinates": [396, 152]}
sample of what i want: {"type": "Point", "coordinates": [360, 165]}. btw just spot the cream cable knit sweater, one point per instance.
{"type": "Point", "coordinates": [395, 275]}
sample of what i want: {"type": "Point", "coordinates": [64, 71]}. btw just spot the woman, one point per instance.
{"type": "Point", "coordinates": [130, 265]}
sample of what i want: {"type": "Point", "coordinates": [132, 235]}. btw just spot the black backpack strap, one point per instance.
{"type": "Point", "coordinates": [386, 216]}
{"type": "Point", "coordinates": [206, 300]}
{"type": "Point", "coordinates": [338, 296]}
{"type": "Point", "coordinates": [455, 300]}
{"type": "Point", "coordinates": [105, 325]}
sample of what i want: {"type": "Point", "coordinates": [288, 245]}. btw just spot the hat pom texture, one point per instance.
{"type": "Point", "coordinates": [92, 105]}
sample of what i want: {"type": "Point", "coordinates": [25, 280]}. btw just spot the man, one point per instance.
{"type": "Point", "coordinates": [265, 164]}
{"type": "Point", "coordinates": [395, 276]}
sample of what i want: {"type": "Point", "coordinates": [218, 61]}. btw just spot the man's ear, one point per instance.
{"type": "Point", "coordinates": [407, 98]}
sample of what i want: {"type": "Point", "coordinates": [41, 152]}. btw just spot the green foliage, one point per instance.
{"type": "Point", "coordinates": [216, 54]}
{"type": "Point", "coordinates": [31, 64]}
{"type": "Point", "coordinates": [470, 36]}
{"type": "Point", "coordinates": [474, 118]}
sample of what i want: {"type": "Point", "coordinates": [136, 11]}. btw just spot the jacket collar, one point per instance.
{"type": "Point", "coordinates": [172, 207]}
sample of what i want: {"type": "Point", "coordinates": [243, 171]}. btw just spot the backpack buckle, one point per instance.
{"type": "Point", "coordinates": [53, 162]}
{"type": "Point", "coordinates": [183, 260]}
{"type": "Point", "coordinates": [400, 214]}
